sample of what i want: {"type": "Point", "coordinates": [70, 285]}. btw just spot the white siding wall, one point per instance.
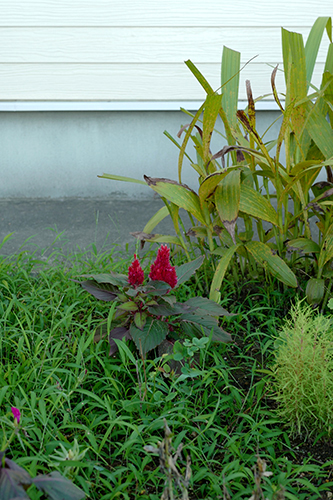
{"type": "Point", "coordinates": [130, 50]}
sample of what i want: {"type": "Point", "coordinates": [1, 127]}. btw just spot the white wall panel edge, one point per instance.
{"type": "Point", "coordinates": [9, 106]}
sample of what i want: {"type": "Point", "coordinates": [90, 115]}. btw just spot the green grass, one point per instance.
{"type": "Point", "coordinates": [68, 390]}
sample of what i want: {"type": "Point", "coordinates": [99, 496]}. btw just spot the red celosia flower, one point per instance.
{"type": "Point", "coordinates": [135, 273]}
{"type": "Point", "coordinates": [16, 413]}
{"type": "Point", "coordinates": [161, 269]}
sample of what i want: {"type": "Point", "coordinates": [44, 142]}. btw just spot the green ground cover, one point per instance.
{"type": "Point", "coordinates": [98, 419]}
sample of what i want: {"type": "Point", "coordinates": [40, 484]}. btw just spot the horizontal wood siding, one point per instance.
{"type": "Point", "coordinates": [198, 13]}
{"type": "Point", "coordinates": [129, 50]}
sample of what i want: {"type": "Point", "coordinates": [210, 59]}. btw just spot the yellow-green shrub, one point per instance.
{"type": "Point", "coordinates": [303, 372]}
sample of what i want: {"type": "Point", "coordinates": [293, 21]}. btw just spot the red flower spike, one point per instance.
{"type": "Point", "coordinates": [161, 269]}
{"type": "Point", "coordinates": [135, 273]}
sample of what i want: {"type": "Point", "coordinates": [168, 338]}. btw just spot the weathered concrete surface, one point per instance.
{"type": "Point", "coordinates": [72, 223]}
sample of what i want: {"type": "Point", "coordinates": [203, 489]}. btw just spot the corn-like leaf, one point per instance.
{"type": "Point", "coordinates": [220, 272]}
{"type": "Point", "coordinates": [179, 194]}
{"type": "Point", "coordinates": [326, 252]}
{"type": "Point", "coordinates": [158, 238]}
{"type": "Point", "coordinates": [273, 263]}
{"type": "Point", "coordinates": [254, 204]}
{"type": "Point", "coordinates": [303, 244]}
{"type": "Point", "coordinates": [313, 43]}
{"type": "Point", "coordinates": [208, 186]}
{"type": "Point", "coordinates": [121, 178]}
{"type": "Point", "coordinates": [227, 197]}
{"type": "Point", "coordinates": [161, 214]}
{"type": "Point", "coordinates": [212, 107]}
{"type": "Point", "coordinates": [186, 139]}
{"type": "Point", "coordinates": [230, 83]}
{"type": "Point", "coordinates": [199, 76]}
{"type": "Point", "coordinates": [320, 131]}
{"type": "Point", "coordinates": [294, 62]}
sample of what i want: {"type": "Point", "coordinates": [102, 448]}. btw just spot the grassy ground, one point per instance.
{"type": "Point", "coordinates": [91, 416]}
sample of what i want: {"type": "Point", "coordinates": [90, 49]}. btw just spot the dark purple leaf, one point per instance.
{"type": "Point", "coordinates": [111, 278]}
{"type": "Point", "coordinates": [117, 333]}
{"type": "Point", "coordinates": [185, 271]}
{"type": "Point", "coordinates": [168, 310]}
{"type": "Point", "coordinates": [11, 484]}
{"type": "Point", "coordinates": [208, 306]}
{"type": "Point", "coordinates": [57, 487]}
{"type": "Point", "coordinates": [99, 290]}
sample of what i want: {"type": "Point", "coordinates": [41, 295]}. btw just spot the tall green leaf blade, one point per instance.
{"type": "Point", "coordinates": [220, 272]}
{"type": "Point", "coordinates": [186, 139]}
{"type": "Point", "coordinates": [313, 43]}
{"type": "Point", "coordinates": [230, 69]}
{"type": "Point", "coordinates": [199, 76]}
{"type": "Point", "coordinates": [212, 107]}
{"type": "Point", "coordinates": [161, 214]}
{"type": "Point", "coordinates": [121, 178]}
{"type": "Point", "coordinates": [227, 199]}
{"type": "Point", "coordinates": [273, 263]}
{"type": "Point", "coordinates": [326, 252]}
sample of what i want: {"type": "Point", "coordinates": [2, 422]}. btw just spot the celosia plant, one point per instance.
{"type": "Point", "coordinates": [148, 312]}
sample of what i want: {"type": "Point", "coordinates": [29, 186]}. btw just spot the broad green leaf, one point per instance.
{"type": "Point", "coordinates": [161, 214]}
{"type": "Point", "coordinates": [303, 244]}
{"type": "Point", "coordinates": [273, 263]}
{"type": "Point", "coordinates": [220, 272]}
{"type": "Point", "coordinates": [315, 289]}
{"type": "Point", "coordinates": [185, 271]}
{"type": "Point", "coordinates": [320, 131]}
{"type": "Point", "coordinates": [128, 306]}
{"type": "Point", "coordinates": [179, 194]}
{"type": "Point", "coordinates": [140, 319]}
{"type": "Point", "coordinates": [212, 106]}
{"type": "Point", "coordinates": [121, 178]}
{"type": "Point", "coordinates": [153, 333]}
{"type": "Point", "coordinates": [254, 204]}
{"type": "Point", "coordinates": [227, 198]}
